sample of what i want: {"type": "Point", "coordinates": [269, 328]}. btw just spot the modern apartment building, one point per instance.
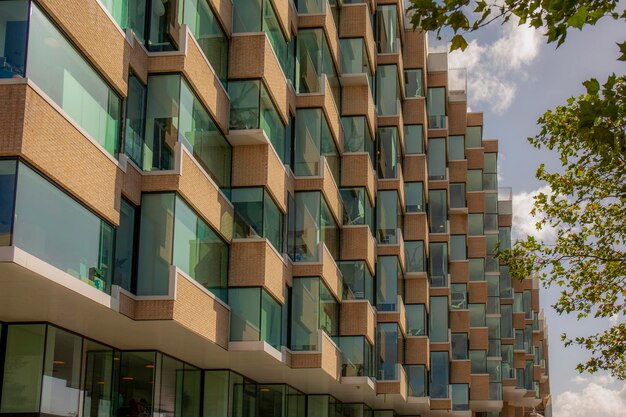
{"type": "Point", "coordinates": [251, 208]}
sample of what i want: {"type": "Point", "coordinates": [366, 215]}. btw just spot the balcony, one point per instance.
{"type": "Point", "coordinates": [457, 85]}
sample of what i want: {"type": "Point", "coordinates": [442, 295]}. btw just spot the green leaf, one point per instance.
{"type": "Point", "coordinates": [622, 51]}
{"type": "Point", "coordinates": [593, 86]}
{"type": "Point", "coordinates": [458, 42]}
{"type": "Point", "coordinates": [579, 18]}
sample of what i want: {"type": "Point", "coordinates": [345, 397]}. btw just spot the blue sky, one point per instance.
{"type": "Point", "coordinates": [513, 77]}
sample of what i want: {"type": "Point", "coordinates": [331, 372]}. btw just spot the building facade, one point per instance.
{"type": "Point", "coordinates": [251, 208]}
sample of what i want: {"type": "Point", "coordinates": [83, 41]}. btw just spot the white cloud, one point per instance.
{"type": "Point", "coordinates": [601, 396]}
{"type": "Point", "coordinates": [524, 224]}
{"type": "Point", "coordinates": [614, 319]}
{"type": "Point", "coordinates": [495, 69]}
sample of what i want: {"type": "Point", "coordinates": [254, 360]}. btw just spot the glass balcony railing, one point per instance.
{"type": "Point", "coordinates": [255, 316]}
{"type": "Point", "coordinates": [438, 122]}
{"type": "Point", "coordinates": [257, 215]}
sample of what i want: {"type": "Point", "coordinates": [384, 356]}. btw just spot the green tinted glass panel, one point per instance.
{"type": "Point", "coordinates": [456, 148]}
{"type": "Point", "coordinates": [414, 139]}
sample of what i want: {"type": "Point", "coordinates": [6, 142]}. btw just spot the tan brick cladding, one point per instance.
{"type": "Point", "coordinates": [201, 77]}
{"type": "Point", "coordinates": [440, 404]}
{"type": "Point", "coordinates": [458, 171]}
{"type": "Point", "coordinates": [416, 227]}
{"type": "Point", "coordinates": [477, 292]}
{"type": "Point", "coordinates": [13, 99]}
{"type": "Point", "coordinates": [201, 313]}
{"type": "Point", "coordinates": [458, 223]}
{"type": "Point", "coordinates": [459, 272]}
{"type": "Point", "coordinates": [413, 50]}
{"type": "Point", "coordinates": [282, 11]}
{"type": "Point", "coordinates": [131, 184]}
{"type": "Point", "coordinates": [94, 33]}
{"type": "Point", "coordinates": [490, 145]}
{"type": "Point", "coordinates": [414, 168]}
{"type": "Point", "coordinates": [460, 372]}
{"type": "Point", "coordinates": [459, 321]}
{"type": "Point", "coordinates": [438, 79]}
{"type": "Point", "coordinates": [355, 22]}
{"type": "Point", "coordinates": [196, 188]}
{"type": "Point", "coordinates": [416, 350]}
{"type": "Point", "coordinates": [56, 147]}
{"type": "Point", "coordinates": [328, 359]}
{"type": "Point", "coordinates": [475, 158]}
{"type": "Point", "coordinates": [154, 310]}
{"type": "Point", "coordinates": [476, 246]}
{"type": "Point", "coordinates": [258, 166]}
{"type": "Point", "coordinates": [479, 338]}
{"type": "Point", "coordinates": [416, 290]}
{"type": "Point", "coordinates": [251, 56]}
{"type": "Point", "coordinates": [356, 100]}
{"type": "Point", "coordinates": [476, 202]}
{"type": "Point", "coordinates": [457, 117]}
{"type": "Point", "coordinates": [474, 119]}
{"type": "Point", "coordinates": [394, 184]}
{"type": "Point", "coordinates": [254, 263]}
{"type": "Point", "coordinates": [414, 110]}
{"type": "Point", "coordinates": [479, 388]}
{"type": "Point", "coordinates": [398, 316]}
{"type": "Point", "coordinates": [138, 60]}
{"type": "Point", "coordinates": [358, 244]}
{"type": "Point", "coordinates": [393, 387]}
{"type": "Point", "coordinates": [519, 320]}
{"type": "Point", "coordinates": [358, 319]}
{"type": "Point", "coordinates": [357, 171]}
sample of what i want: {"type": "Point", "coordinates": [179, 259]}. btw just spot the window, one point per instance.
{"type": "Point", "coordinates": [313, 307]}
{"type": "Point", "coordinates": [436, 108]}
{"type": "Point", "coordinates": [438, 264]}
{"type": "Point", "coordinates": [251, 107]}
{"type": "Point", "coordinates": [414, 255]}
{"type": "Point", "coordinates": [438, 211]}
{"type": "Point", "coordinates": [8, 172]}
{"type": "Point", "coordinates": [358, 283]}
{"type": "Point", "coordinates": [390, 351]}
{"type": "Point", "coordinates": [388, 217]}
{"type": "Point", "coordinates": [474, 137]}
{"type": "Point", "coordinates": [389, 153]}
{"type": "Point", "coordinates": [414, 139]}
{"type": "Point", "coordinates": [438, 320]}
{"type": "Point", "coordinates": [354, 59]}
{"type": "Point", "coordinates": [459, 296]}
{"type": "Point", "coordinates": [477, 315]}
{"type": "Point", "coordinates": [357, 136]}
{"type": "Point", "coordinates": [416, 320]}
{"type": "Point", "coordinates": [387, 29]}
{"type": "Point", "coordinates": [357, 358]}
{"type": "Point", "coordinates": [458, 248]}
{"type": "Point", "coordinates": [255, 316]}
{"type": "Point", "coordinates": [413, 83]}
{"type": "Point", "coordinates": [313, 139]}
{"type": "Point", "coordinates": [439, 375]}
{"type": "Point", "coordinates": [125, 247]}
{"type": "Point", "coordinates": [437, 159]}
{"type": "Point", "coordinates": [314, 59]}
{"type": "Point", "coordinates": [257, 215]}
{"type": "Point", "coordinates": [387, 89]}
{"type": "Point", "coordinates": [388, 283]}
{"type": "Point", "coordinates": [311, 224]}
{"type": "Point", "coordinates": [479, 361]}
{"type": "Point", "coordinates": [456, 148]}
{"type": "Point", "coordinates": [460, 346]}
{"type": "Point", "coordinates": [357, 208]}
{"type": "Point", "coordinates": [69, 80]}
{"type": "Point", "coordinates": [474, 180]}
{"type": "Point", "coordinates": [457, 195]}
{"type": "Point", "coordinates": [15, 38]}
{"type": "Point", "coordinates": [414, 196]}
{"type": "Point", "coordinates": [417, 376]}
{"type": "Point", "coordinates": [506, 321]}
{"type": "Point", "coordinates": [476, 269]}
{"type": "Point", "coordinates": [135, 121]}
{"type": "Point", "coordinates": [475, 224]}
{"type": "Point", "coordinates": [460, 397]}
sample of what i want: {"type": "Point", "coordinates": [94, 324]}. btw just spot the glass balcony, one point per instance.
{"type": "Point", "coordinates": [255, 316]}
{"type": "Point", "coordinates": [387, 29]}
{"type": "Point", "coordinates": [389, 218]}
{"type": "Point", "coordinates": [417, 377]}
{"type": "Point", "coordinates": [388, 93]}
{"type": "Point", "coordinates": [438, 329]}
{"type": "Point", "coordinates": [438, 264]}
{"type": "Point", "coordinates": [416, 320]}
{"type": "Point", "coordinates": [314, 140]}
{"type": "Point", "coordinates": [128, 14]}
{"type": "Point", "coordinates": [389, 153]}
{"type": "Point", "coordinates": [61, 232]}
{"type": "Point", "coordinates": [357, 209]}
{"type": "Point", "coordinates": [314, 60]}
{"type": "Point", "coordinates": [357, 357]}
{"type": "Point", "coordinates": [389, 351]}
{"type": "Point", "coordinates": [354, 59]}
{"type": "Point", "coordinates": [414, 255]}
{"type": "Point", "coordinates": [460, 397]}
{"type": "Point", "coordinates": [257, 215]}
{"type": "Point", "coordinates": [358, 283]}
{"type": "Point", "coordinates": [171, 233]}
{"type": "Point", "coordinates": [389, 283]}
{"type": "Point", "coordinates": [313, 308]}
{"type": "Point", "coordinates": [439, 375]}
{"type": "Point", "coordinates": [357, 136]}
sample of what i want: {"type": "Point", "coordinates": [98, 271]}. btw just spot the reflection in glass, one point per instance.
{"type": "Point", "coordinates": [356, 356]}
{"type": "Point", "coordinates": [438, 320]}
{"type": "Point", "coordinates": [257, 215]}
{"type": "Point", "coordinates": [439, 375]}
{"type": "Point", "coordinates": [358, 283]}
{"type": "Point", "coordinates": [438, 211]}
{"type": "Point", "coordinates": [7, 200]}
{"type": "Point", "coordinates": [414, 139]}
{"type": "Point", "coordinates": [389, 351]}
{"type": "Point", "coordinates": [416, 320]}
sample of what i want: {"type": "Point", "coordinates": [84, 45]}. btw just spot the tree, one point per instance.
{"type": "Point", "coordinates": [556, 17]}
{"type": "Point", "coordinates": [586, 209]}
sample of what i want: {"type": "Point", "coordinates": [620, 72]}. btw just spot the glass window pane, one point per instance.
{"type": "Point", "coordinates": [387, 270]}
{"type": "Point", "coordinates": [357, 358]}
{"type": "Point", "coordinates": [416, 320]}
{"type": "Point", "coordinates": [61, 379]}
{"type": "Point", "coordinates": [460, 397]}
{"type": "Point", "coordinates": [413, 83]}
{"type": "Point", "coordinates": [460, 346]}
{"type": "Point", "coordinates": [437, 159]}
{"type": "Point", "coordinates": [387, 91]}
{"type": "Point", "coordinates": [414, 196]}
{"type": "Point", "coordinates": [271, 320]}
{"type": "Point", "coordinates": [439, 375]}
{"type": "Point", "coordinates": [245, 314]}
{"type": "Point", "coordinates": [459, 296]}
{"type": "Point", "coordinates": [438, 320]}
{"type": "Point", "coordinates": [479, 361]}
{"type": "Point", "coordinates": [456, 148]}
{"type": "Point", "coordinates": [438, 264]}
{"type": "Point", "coordinates": [357, 281]}
{"type": "Point", "coordinates": [474, 137]}
{"type": "Point", "coordinates": [99, 375]}
{"type": "Point", "coordinates": [387, 30]}
{"type": "Point", "coordinates": [414, 255]}
{"type": "Point", "coordinates": [438, 211]}
{"type": "Point", "coordinates": [156, 238]}
{"type": "Point", "coordinates": [477, 315]}
{"type": "Point", "coordinates": [135, 121]}
{"type": "Point", "coordinates": [7, 200]}
{"type": "Point", "coordinates": [389, 350]}
{"type": "Point", "coordinates": [417, 376]}
{"type": "Point", "coordinates": [305, 313]}
{"type": "Point", "coordinates": [15, 32]}
{"type": "Point", "coordinates": [161, 130]}
{"type": "Point", "coordinates": [436, 108]}
{"type": "Point", "coordinates": [388, 152]}
{"type": "Point", "coordinates": [475, 224]}
{"type": "Point", "coordinates": [477, 269]}
{"type": "Point", "coordinates": [457, 195]}
{"type": "Point", "coordinates": [474, 180]}
{"type": "Point", "coordinates": [357, 136]}
{"type": "Point", "coordinates": [68, 79]}
{"type": "Point", "coordinates": [388, 214]}
{"type": "Point", "coordinates": [62, 232]}
{"type": "Point", "coordinates": [458, 250]}
{"type": "Point", "coordinates": [136, 382]}
{"type": "Point", "coordinates": [414, 139]}
{"type": "Point", "coordinates": [23, 368]}
{"type": "Point", "coordinates": [124, 247]}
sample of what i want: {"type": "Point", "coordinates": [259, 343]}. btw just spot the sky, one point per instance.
{"type": "Point", "coordinates": [514, 76]}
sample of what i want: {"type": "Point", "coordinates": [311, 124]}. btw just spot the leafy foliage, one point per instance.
{"type": "Point", "coordinates": [556, 16]}
{"type": "Point", "coordinates": [586, 208]}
